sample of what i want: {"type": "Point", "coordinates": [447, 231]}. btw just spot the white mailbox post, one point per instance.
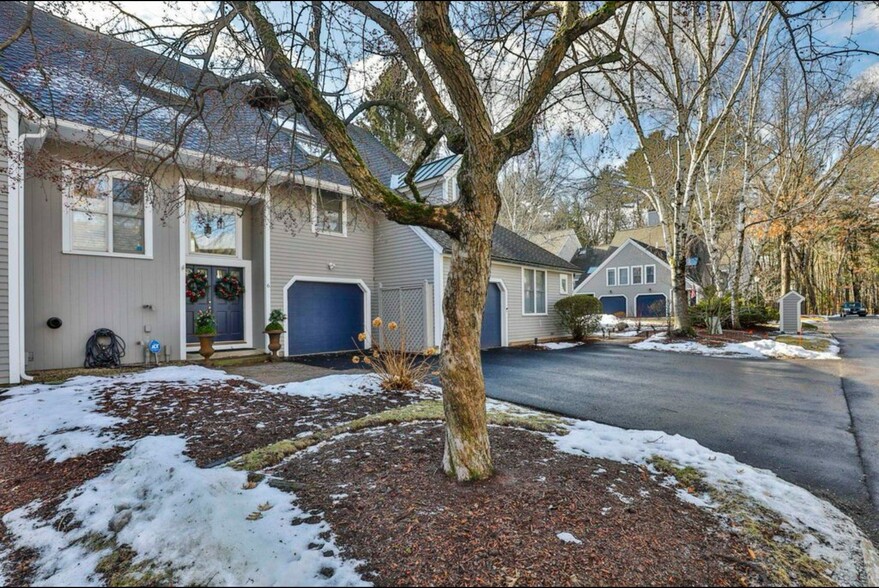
{"type": "Point", "coordinates": [790, 310]}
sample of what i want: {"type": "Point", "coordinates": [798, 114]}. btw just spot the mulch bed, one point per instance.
{"type": "Point", "coordinates": [389, 503]}
{"type": "Point", "coordinates": [222, 420]}
{"type": "Point", "coordinates": [728, 336]}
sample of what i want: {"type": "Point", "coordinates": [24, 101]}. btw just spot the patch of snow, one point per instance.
{"type": "Point", "coordinates": [559, 345]}
{"type": "Point", "coordinates": [63, 418]}
{"type": "Point", "coordinates": [191, 519]}
{"type": "Point", "coordinates": [335, 386]}
{"type": "Point", "coordinates": [810, 516]}
{"type": "Point", "coordinates": [759, 349]}
{"type": "Point", "coordinates": [568, 538]}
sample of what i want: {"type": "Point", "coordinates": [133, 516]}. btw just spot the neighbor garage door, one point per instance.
{"type": "Point", "coordinates": [323, 317]}
{"type": "Point", "coordinates": [613, 304]}
{"type": "Point", "coordinates": [651, 305]}
{"type": "Point", "coordinates": [491, 319]}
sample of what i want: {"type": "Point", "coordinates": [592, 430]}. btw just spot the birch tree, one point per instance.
{"type": "Point", "coordinates": [677, 56]}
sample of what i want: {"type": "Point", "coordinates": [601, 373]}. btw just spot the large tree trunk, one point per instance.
{"type": "Point", "coordinates": [678, 263]}
{"type": "Point", "coordinates": [467, 452]}
{"type": "Point", "coordinates": [785, 261]}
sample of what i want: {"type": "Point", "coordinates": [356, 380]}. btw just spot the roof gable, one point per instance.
{"type": "Point", "coordinates": [627, 244]}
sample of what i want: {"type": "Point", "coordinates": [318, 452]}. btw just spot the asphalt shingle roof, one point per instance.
{"type": "Point", "coordinates": [79, 75]}
{"type": "Point", "coordinates": [82, 76]}
{"type": "Point", "coordinates": [508, 246]}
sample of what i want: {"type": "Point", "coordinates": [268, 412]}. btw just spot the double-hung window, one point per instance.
{"type": "Point", "coordinates": [534, 291]}
{"type": "Point", "coordinates": [649, 274]}
{"type": "Point", "coordinates": [637, 275]}
{"type": "Point", "coordinates": [106, 214]}
{"type": "Point", "coordinates": [623, 275]}
{"type": "Point", "coordinates": [330, 213]}
{"type": "Point", "coordinates": [611, 276]}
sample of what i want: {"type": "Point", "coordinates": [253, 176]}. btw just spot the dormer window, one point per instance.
{"type": "Point", "coordinates": [304, 139]}
{"type": "Point", "coordinates": [451, 189]}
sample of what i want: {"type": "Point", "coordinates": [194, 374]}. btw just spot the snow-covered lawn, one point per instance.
{"type": "Point", "coordinates": [560, 345]}
{"type": "Point", "coordinates": [760, 349]}
{"type": "Point", "coordinates": [219, 526]}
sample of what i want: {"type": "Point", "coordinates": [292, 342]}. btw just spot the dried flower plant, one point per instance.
{"type": "Point", "coordinates": [397, 368]}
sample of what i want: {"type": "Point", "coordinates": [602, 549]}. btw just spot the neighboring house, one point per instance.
{"type": "Point", "coordinates": [633, 280]}
{"type": "Point", "coordinates": [118, 250]}
{"type": "Point", "coordinates": [589, 258]}
{"type": "Point", "coordinates": [563, 243]}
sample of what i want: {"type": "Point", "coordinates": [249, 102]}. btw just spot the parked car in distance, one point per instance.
{"type": "Point", "coordinates": [853, 308]}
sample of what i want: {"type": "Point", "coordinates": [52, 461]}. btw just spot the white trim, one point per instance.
{"type": "Point", "coordinates": [610, 258]}
{"type": "Point", "coordinates": [81, 134]}
{"type": "Point", "coordinates": [545, 268]}
{"type": "Point", "coordinates": [505, 308]}
{"type": "Point", "coordinates": [626, 298]}
{"type": "Point", "coordinates": [15, 235]}
{"type": "Point", "coordinates": [239, 232]}
{"type": "Point", "coordinates": [428, 240]}
{"type": "Point", "coordinates": [632, 275]}
{"type": "Point", "coordinates": [653, 265]}
{"type": "Point", "coordinates": [607, 277]}
{"type": "Point", "coordinates": [545, 292]}
{"type": "Point", "coordinates": [18, 103]}
{"type": "Point", "coordinates": [344, 219]}
{"type": "Point", "coordinates": [567, 288]}
{"type": "Point", "coordinates": [367, 301]}
{"type": "Point", "coordinates": [67, 198]}
{"type": "Point", "coordinates": [650, 294]}
{"type": "Point", "coordinates": [182, 248]}
{"type": "Point", "coordinates": [267, 264]}
{"type": "Point", "coordinates": [620, 275]}
{"type": "Point", "coordinates": [246, 266]}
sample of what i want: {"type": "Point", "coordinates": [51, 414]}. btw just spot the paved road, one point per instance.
{"type": "Point", "coordinates": [791, 417]}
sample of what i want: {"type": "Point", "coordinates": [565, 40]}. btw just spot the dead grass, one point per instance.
{"type": "Point", "coordinates": [809, 343]}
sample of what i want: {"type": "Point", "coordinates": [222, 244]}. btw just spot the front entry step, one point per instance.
{"type": "Point", "coordinates": [228, 354]}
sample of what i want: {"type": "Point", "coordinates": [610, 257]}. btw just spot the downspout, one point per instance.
{"type": "Point", "coordinates": [39, 136]}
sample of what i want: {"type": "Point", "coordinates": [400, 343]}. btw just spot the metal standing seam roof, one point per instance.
{"type": "Point", "coordinates": [429, 171]}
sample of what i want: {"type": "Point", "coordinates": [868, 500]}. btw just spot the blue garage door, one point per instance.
{"type": "Point", "coordinates": [651, 305]}
{"type": "Point", "coordinates": [323, 317]}
{"type": "Point", "coordinates": [491, 319]}
{"type": "Point", "coordinates": [613, 304]}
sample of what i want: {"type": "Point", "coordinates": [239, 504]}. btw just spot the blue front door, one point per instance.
{"type": "Point", "coordinates": [491, 319]}
{"type": "Point", "coordinates": [323, 317]}
{"type": "Point", "coordinates": [229, 314]}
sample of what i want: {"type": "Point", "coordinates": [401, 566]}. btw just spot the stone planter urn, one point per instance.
{"type": "Point", "coordinates": [206, 347]}
{"type": "Point", "coordinates": [274, 342]}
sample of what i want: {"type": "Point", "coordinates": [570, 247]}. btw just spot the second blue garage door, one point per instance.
{"type": "Point", "coordinates": [651, 305]}
{"type": "Point", "coordinates": [613, 304]}
{"type": "Point", "coordinates": [491, 319]}
{"type": "Point", "coordinates": [323, 317]}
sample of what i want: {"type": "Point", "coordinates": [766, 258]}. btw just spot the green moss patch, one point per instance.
{"type": "Point", "coordinates": [427, 410]}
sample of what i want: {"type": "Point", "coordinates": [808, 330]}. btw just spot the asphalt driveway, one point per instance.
{"type": "Point", "coordinates": [791, 417]}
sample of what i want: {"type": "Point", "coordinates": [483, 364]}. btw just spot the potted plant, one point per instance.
{"type": "Point", "coordinates": [274, 330]}
{"type": "Point", "coordinates": [206, 330]}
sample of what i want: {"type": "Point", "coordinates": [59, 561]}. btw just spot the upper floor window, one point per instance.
{"type": "Point", "coordinates": [611, 276]}
{"type": "Point", "coordinates": [649, 274]}
{"type": "Point", "coordinates": [623, 275]}
{"type": "Point", "coordinates": [563, 284]}
{"type": "Point", "coordinates": [106, 214]}
{"type": "Point", "coordinates": [534, 291]}
{"type": "Point", "coordinates": [637, 275]}
{"type": "Point", "coordinates": [330, 213]}
{"type": "Point", "coordinates": [214, 229]}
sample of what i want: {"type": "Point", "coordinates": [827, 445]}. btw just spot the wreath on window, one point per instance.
{"type": "Point", "coordinates": [229, 288]}
{"type": "Point", "coordinates": [196, 286]}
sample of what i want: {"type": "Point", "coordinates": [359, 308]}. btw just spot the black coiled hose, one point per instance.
{"type": "Point", "coordinates": [104, 349]}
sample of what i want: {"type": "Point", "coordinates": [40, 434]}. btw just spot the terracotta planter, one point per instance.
{"type": "Point", "coordinates": [206, 347]}
{"type": "Point", "coordinates": [274, 342]}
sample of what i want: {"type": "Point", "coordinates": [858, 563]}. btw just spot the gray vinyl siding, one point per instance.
{"type": "Point", "coordinates": [89, 292]}
{"type": "Point", "coordinates": [629, 255]}
{"type": "Point", "coordinates": [4, 257]}
{"type": "Point", "coordinates": [297, 251]}
{"type": "Point", "coordinates": [404, 260]}
{"type": "Point", "coordinates": [523, 328]}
